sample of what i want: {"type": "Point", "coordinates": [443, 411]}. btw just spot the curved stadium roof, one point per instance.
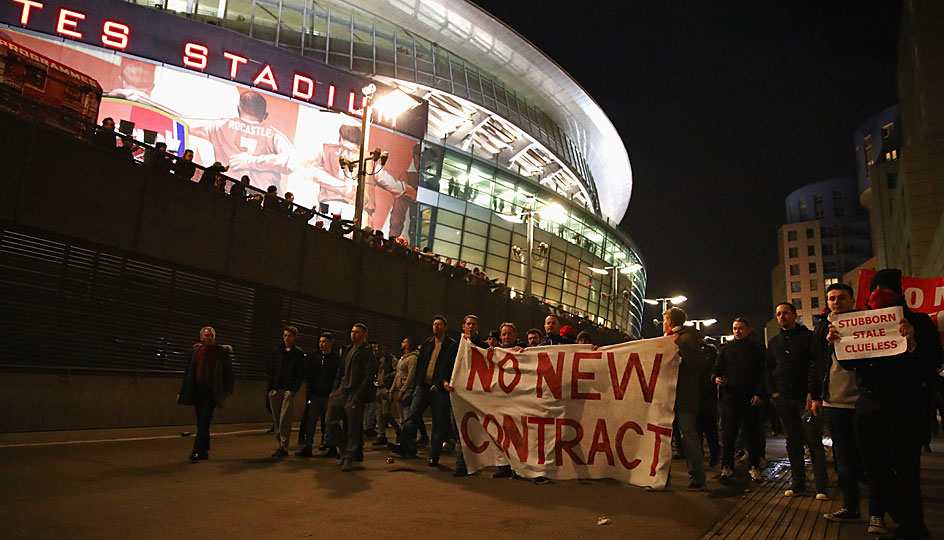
{"type": "Point", "coordinates": [471, 33]}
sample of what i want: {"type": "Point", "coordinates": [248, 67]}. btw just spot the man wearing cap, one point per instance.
{"type": "Point", "coordinates": [889, 417]}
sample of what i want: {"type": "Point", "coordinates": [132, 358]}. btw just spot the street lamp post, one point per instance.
{"type": "Point", "coordinates": [390, 105]}
{"type": "Point", "coordinates": [698, 323]}
{"type": "Point", "coordinates": [552, 212]}
{"type": "Point", "coordinates": [627, 269]}
{"type": "Point", "coordinates": [362, 155]}
{"type": "Point", "coordinates": [664, 301]}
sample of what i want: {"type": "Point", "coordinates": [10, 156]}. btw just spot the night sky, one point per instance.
{"type": "Point", "coordinates": [724, 109]}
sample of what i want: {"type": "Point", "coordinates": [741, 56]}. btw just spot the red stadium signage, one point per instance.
{"type": "Point", "coordinates": [202, 47]}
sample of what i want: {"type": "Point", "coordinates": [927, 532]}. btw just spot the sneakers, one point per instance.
{"type": "Point", "coordinates": [877, 525]}
{"type": "Point", "coordinates": [504, 471]}
{"type": "Point", "coordinates": [726, 474]}
{"type": "Point", "coordinates": [843, 515]}
{"type": "Point", "coordinates": [822, 497]}
{"type": "Point", "coordinates": [793, 493]}
{"type": "Point", "coordinates": [756, 474]}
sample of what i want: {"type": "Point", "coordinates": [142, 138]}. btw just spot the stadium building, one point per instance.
{"type": "Point", "coordinates": [273, 88]}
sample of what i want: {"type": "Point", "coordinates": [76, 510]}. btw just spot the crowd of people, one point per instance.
{"type": "Point", "coordinates": [875, 410]}
{"type": "Point", "coordinates": [157, 157]}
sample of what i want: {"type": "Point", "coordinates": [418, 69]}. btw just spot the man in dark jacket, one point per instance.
{"type": "Point", "coordinates": [104, 135]}
{"type": "Point", "coordinates": [692, 371]}
{"type": "Point", "coordinates": [184, 167]}
{"type": "Point", "coordinates": [433, 368]}
{"type": "Point", "coordinates": [354, 386]}
{"type": "Point", "coordinates": [890, 415]}
{"type": "Point", "coordinates": [286, 373]}
{"type": "Point", "coordinates": [319, 381]}
{"type": "Point", "coordinates": [470, 331]}
{"type": "Point", "coordinates": [552, 335]}
{"type": "Point", "coordinates": [788, 364]}
{"type": "Point", "coordinates": [208, 381]}
{"type": "Point", "coordinates": [739, 371]}
{"type": "Point", "coordinates": [833, 394]}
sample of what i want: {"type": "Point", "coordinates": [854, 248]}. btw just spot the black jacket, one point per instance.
{"type": "Point", "coordinates": [184, 169]}
{"type": "Point", "coordinates": [321, 372]}
{"type": "Point", "coordinates": [901, 378]}
{"type": "Point", "coordinates": [286, 369]}
{"type": "Point", "coordinates": [443, 370]}
{"type": "Point", "coordinates": [741, 363]}
{"type": "Point", "coordinates": [222, 379]}
{"type": "Point", "coordinates": [788, 362]}
{"type": "Point", "coordinates": [361, 371]}
{"type": "Point", "coordinates": [692, 372]}
{"type": "Point", "coordinates": [104, 138]}
{"type": "Point", "coordinates": [821, 359]}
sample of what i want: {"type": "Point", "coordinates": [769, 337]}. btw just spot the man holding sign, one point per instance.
{"type": "Point", "coordinates": [891, 368]}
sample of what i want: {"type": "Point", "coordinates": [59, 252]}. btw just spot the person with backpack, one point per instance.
{"type": "Point", "coordinates": [692, 370]}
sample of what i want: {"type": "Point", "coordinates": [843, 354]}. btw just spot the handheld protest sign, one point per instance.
{"type": "Point", "coordinates": [868, 334]}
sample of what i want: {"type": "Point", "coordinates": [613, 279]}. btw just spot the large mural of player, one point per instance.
{"type": "Point", "coordinates": [273, 140]}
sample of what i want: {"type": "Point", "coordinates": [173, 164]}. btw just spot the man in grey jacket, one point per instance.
{"type": "Point", "coordinates": [354, 386]}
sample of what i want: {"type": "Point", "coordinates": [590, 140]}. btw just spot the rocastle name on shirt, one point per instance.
{"type": "Point", "coordinates": [250, 129]}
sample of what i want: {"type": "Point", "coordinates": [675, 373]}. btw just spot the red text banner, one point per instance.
{"type": "Point", "coordinates": [866, 334]}
{"type": "Point", "coordinates": [568, 411]}
{"type": "Point", "coordinates": [924, 295]}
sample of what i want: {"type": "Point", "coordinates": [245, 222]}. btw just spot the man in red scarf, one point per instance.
{"type": "Point", "coordinates": [208, 381]}
{"type": "Point", "coordinates": [890, 417]}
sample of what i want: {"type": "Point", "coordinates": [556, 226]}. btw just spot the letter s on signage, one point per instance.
{"type": "Point", "coordinates": [115, 34]}
{"type": "Point", "coordinates": [195, 56]}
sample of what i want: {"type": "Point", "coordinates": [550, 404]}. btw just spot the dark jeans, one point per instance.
{"type": "Point", "coordinates": [736, 411]}
{"type": "Point", "coordinates": [848, 463]}
{"type": "Point", "coordinates": [405, 408]}
{"type": "Point", "coordinates": [691, 442]}
{"type": "Point", "coordinates": [800, 432]}
{"type": "Point", "coordinates": [889, 436]}
{"type": "Point", "coordinates": [707, 424]}
{"type": "Point", "coordinates": [203, 406]}
{"type": "Point", "coordinates": [317, 409]}
{"type": "Point", "coordinates": [350, 441]}
{"type": "Point", "coordinates": [438, 401]}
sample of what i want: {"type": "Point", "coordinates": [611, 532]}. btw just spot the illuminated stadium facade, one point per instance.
{"type": "Point", "coordinates": [502, 129]}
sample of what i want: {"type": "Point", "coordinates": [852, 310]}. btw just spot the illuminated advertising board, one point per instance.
{"type": "Point", "coordinates": [277, 141]}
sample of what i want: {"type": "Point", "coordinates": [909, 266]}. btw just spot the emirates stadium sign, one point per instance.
{"type": "Point", "coordinates": [204, 48]}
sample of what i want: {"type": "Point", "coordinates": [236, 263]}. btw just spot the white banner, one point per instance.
{"type": "Point", "coordinates": [866, 334]}
{"type": "Point", "coordinates": [569, 411]}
